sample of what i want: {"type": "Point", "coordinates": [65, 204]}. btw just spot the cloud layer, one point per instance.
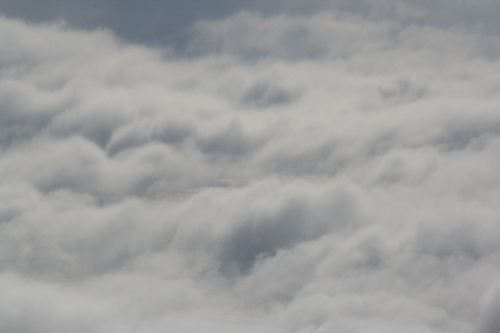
{"type": "Point", "coordinates": [335, 170]}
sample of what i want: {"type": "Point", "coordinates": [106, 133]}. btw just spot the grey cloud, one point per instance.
{"type": "Point", "coordinates": [295, 170]}
{"type": "Point", "coordinates": [264, 238]}
{"type": "Point", "coordinates": [403, 90]}
{"type": "Point", "coordinates": [477, 14]}
{"type": "Point", "coordinates": [490, 322]}
{"type": "Point", "coordinates": [458, 135]}
{"type": "Point", "coordinates": [298, 160]}
{"type": "Point", "coordinates": [85, 241]}
{"type": "Point", "coordinates": [96, 127]}
{"type": "Point", "coordinates": [290, 38]}
{"type": "Point", "coordinates": [262, 220]}
{"type": "Point", "coordinates": [140, 133]}
{"type": "Point", "coordinates": [230, 141]}
{"type": "Point", "coordinates": [267, 285]}
{"type": "Point", "coordinates": [26, 110]}
{"type": "Point", "coordinates": [32, 306]}
{"type": "Point", "coordinates": [263, 233]}
{"type": "Point", "coordinates": [407, 166]}
{"type": "Point", "coordinates": [265, 94]}
{"type": "Point", "coordinates": [287, 37]}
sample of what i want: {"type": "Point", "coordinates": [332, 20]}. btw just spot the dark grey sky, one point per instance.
{"type": "Point", "coordinates": [168, 22]}
{"type": "Point", "coordinates": [156, 21]}
{"type": "Point", "coordinates": [144, 21]}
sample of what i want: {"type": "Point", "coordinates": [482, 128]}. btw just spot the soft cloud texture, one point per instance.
{"type": "Point", "coordinates": [326, 170]}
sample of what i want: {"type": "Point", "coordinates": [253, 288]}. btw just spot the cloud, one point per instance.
{"type": "Point", "coordinates": [489, 321]}
{"type": "Point", "coordinates": [286, 170]}
{"type": "Point", "coordinates": [286, 36]}
{"type": "Point", "coordinates": [26, 308]}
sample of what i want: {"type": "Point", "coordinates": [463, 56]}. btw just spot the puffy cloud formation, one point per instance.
{"type": "Point", "coordinates": [328, 171]}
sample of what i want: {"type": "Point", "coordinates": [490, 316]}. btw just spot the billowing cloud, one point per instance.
{"type": "Point", "coordinates": [285, 170]}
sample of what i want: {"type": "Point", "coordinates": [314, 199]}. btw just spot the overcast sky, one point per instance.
{"type": "Point", "coordinates": [250, 166]}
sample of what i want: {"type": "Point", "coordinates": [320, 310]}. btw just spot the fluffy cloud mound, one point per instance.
{"type": "Point", "coordinates": [335, 171]}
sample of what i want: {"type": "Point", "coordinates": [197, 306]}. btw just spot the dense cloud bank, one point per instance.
{"type": "Point", "coordinates": [329, 172]}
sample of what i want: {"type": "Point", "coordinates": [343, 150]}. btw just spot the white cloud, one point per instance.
{"type": "Point", "coordinates": [289, 173]}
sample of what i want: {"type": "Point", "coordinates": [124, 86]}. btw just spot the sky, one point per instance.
{"type": "Point", "coordinates": [250, 166]}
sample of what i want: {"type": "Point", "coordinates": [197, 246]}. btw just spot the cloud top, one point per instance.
{"type": "Point", "coordinates": [284, 171]}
